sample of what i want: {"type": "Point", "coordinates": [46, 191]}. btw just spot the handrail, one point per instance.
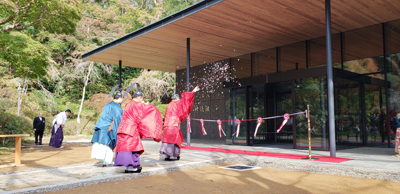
{"type": "Point", "coordinates": [15, 135]}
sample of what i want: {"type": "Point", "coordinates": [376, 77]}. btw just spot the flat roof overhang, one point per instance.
{"type": "Point", "coordinates": [221, 29]}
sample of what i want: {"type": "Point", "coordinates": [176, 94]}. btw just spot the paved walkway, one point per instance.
{"type": "Point", "coordinates": [377, 163]}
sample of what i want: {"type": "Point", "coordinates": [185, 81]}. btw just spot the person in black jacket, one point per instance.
{"type": "Point", "coordinates": [38, 127]}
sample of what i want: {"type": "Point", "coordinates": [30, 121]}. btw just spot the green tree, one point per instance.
{"type": "Point", "coordinates": [55, 16]}
{"type": "Point", "coordinates": [172, 6]}
{"type": "Point", "coordinates": [18, 18]}
{"type": "Point", "coordinates": [27, 56]}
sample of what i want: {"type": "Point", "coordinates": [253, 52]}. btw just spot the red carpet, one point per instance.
{"type": "Point", "coordinates": [267, 154]}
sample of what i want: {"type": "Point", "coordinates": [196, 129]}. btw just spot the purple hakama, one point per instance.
{"type": "Point", "coordinates": [170, 149]}
{"type": "Point", "coordinates": [127, 159]}
{"type": "Point", "coordinates": [56, 138]}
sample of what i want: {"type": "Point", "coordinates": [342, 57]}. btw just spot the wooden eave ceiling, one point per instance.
{"type": "Point", "coordinates": [235, 27]}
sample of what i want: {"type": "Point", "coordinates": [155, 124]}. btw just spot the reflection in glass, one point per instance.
{"type": "Point", "coordinates": [311, 91]}
{"type": "Point", "coordinates": [317, 52]}
{"type": "Point", "coordinates": [348, 112]}
{"type": "Point", "coordinates": [293, 57]}
{"type": "Point", "coordinates": [257, 109]}
{"type": "Point", "coordinates": [236, 109]}
{"type": "Point", "coordinates": [375, 116]}
{"type": "Point", "coordinates": [264, 62]}
{"type": "Point", "coordinates": [283, 96]}
{"type": "Point", "coordinates": [394, 96]}
{"type": "Point", "coordinates": [393, 76]}
{"type": "Point", "coordinates": [363, 51]}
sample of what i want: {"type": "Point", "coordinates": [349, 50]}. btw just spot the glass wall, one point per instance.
{"type": "Point", "coordinates": [317, 52]}
{"type": "Point", "coordinates": [283, 104]}
{"type": "Point", "coordinates": [264, 62]}
{"type": "Point", "coordinates": [348, 114]}
{"type": "Point", "coordinates": [257, 96]}
{"type": "Point", "coordinates": [364, 114]}
{"type": "Point", "coordinates": [363, 51]}
{"type": "Point", "coordinates": [392, 36]}
{"type": "Point", "coordinates": [292, 57]}
{"type": "Point", "coordinates": [312, 92]}
{"type": "Point", "coordinates": [375, 117]}
{"type": "Point", "coordinates": [271, 111]}
{"type": "Point", "coordinates": [236, 109]}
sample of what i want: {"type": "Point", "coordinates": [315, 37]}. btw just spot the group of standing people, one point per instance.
{"type": "Point", "coordinates": [121, 131]}
{"type": "Point", "coordinates": [57, 135]}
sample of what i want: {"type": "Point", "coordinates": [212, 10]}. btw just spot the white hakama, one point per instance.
{"type": "Point", "coordinates": [102, 153]}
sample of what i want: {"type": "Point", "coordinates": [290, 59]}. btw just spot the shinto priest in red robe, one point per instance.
{"type": "Point", "coordinates": [177, 111]}
{"type": "Point", "coordinates": [139, 121]}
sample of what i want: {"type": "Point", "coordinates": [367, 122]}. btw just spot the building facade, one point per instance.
{"type": "Point", "coordinates": [278, 61]}
{"type": "Point", "coordinates": [286, 79]}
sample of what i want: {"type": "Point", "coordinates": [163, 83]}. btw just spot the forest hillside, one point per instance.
{"type": "Point", "coordinates": [41, 44]}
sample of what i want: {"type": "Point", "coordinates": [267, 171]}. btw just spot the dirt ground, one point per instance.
{"type": "Point", "coordinates": [203, 180]}
{"type": "Point", "coordinates": [212, 179]}
{"type": "Point", "coordinates": [34, 156]}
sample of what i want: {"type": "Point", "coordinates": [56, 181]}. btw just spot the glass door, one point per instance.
{"type": "Point", "coordinates": [258, 109]}
{"type": "Point", "coordinates": [283, 104]}
{"type": "Point", "coordinates": [348, 117]}
{"type": "Point", "coordinates": [375, 116]}
{"type": "Point", "coordinates": [236, 109]}
{"type": "Point", "coordinates": [312, 92]}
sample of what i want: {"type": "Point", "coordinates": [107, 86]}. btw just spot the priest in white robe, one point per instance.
{"type": "Point", "coordinates": [57, 135]}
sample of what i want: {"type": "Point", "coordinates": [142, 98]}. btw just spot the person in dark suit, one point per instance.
{"type": "Point", "coordinates": [38, 127]}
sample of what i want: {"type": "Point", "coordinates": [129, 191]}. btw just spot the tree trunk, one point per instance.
{"type": "Point", "coordinates": [83, 93]}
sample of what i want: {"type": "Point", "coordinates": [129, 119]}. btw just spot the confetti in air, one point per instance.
{"type": "Point", "coordinates": [211, 78]}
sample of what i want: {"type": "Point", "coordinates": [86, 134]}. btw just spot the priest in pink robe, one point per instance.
{"type": "Point", "coordinates": [177, 111]}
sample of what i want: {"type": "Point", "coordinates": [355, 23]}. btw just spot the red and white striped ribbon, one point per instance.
{"type": "Point", "coordinates": [286, 117]}
{"type": "Point", "coordinates": [237, 129]}
{"type": "Point", "coordinates": [220, 128]}
{"type": "Point", "coordinates": [188, 126]}
{"type": "Point", "coordinates": [259, 120]}
{"type": "Point", "coordinates": [202, 127]}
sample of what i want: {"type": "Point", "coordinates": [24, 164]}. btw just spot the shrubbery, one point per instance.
{"type": "Point", "coordinates": [14, 124]}
{"type": "Point", "coordinates": [162, 108]}
{"type": "Point", "coordinates": [6, 103]}
{"type": "Point", "coordinates": [33, 103]}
